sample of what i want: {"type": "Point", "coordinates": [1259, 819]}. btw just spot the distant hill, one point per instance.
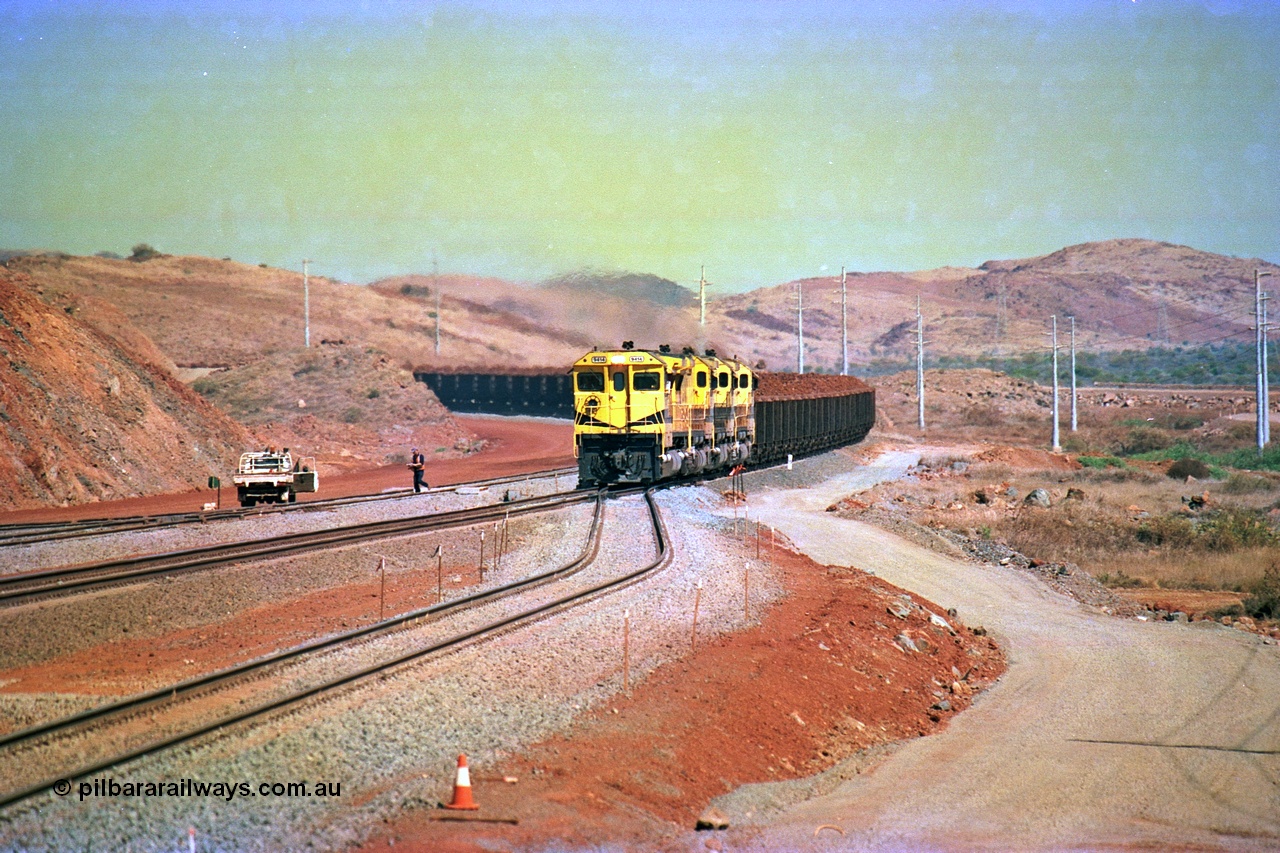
{"type": "Point", "coordinates": [1124, 294]}
{"type": "Point", "coordinates": [635, 287]}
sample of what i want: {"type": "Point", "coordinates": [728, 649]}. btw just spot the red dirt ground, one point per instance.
{"type": "Point", "coordinates": [1027, 458]}
{"type": "Point", "coordinates": [512, 446]}
{"type": "Point", "coordinates": [817, 681]}
{"type": "Point", "coordinates": [127, 666]}
{"type": "Point", "coordinates": [1193, 602]}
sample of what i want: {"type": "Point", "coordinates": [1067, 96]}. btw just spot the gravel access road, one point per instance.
{"type": "Point", "coordinates": [1105, 733]}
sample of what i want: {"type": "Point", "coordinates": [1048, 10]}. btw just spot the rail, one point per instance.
{"type": "Point", "coordinates": [149, 701]}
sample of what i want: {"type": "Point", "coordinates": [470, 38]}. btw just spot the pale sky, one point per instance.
{"type": "Point", "coordinates": [767, 140]}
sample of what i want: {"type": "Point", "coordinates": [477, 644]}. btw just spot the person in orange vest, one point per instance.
{"type": "Point", "coordinates": [416, 464]}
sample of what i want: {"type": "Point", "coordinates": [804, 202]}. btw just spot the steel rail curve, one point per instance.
{"type": "Point", "coordinates": [451, 643]}
{"type": "Point", "coordinates": [155, 700]}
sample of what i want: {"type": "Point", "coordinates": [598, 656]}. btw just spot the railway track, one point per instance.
{"type": "Point", "coordinates": [37, 532]}
{"type": "Point", "coordinates": [140, 731]}
{"type": "Point", "coordinates": [27, 587]}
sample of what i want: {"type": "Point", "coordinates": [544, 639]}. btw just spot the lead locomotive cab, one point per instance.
{"type": "Point", "coordinates": [641, 416]}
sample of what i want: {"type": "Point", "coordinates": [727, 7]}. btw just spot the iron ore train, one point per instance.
{"type": "Point", "coordinates": [642, 416]}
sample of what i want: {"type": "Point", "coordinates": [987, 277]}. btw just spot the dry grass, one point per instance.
{"type": "Point", "coordinates": [1130, 527]}
{"type": "Point", "coordinates": [1237, 571]}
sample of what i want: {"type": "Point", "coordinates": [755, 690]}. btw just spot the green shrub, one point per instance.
{"type": "Point", "coordinates": [1168, 421]}
{"type": "Point", "coordinates": [1172, 531]}
{"type": "Point", "coordinates": [205, 387]}
{"type": "Point", "coordinates": [353, 415]}
{"type": "Point", "coordinates": [1264, 603]}
{"type": "Point", "coordinates": [1101, 462]}
{"type": "Point", "coordinates": [373, 394]}
{"type": "Point", "coordinates": [1144, 439]}
{"type": "Point", "coordinates": [143, 252]}
{"type": "Point", "coordinates": [1249, 459]}
{"type": "Point", "coordinates": [1178, 450]}
{"type": "Point", "coordinates": [1186, 467]}
{"type": "Point", "coordinates": [1119, 580]}
{"type": "Point", "coordinates": [1232, 528]}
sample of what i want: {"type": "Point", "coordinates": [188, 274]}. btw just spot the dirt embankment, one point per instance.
{"type": "Point", "coordinates": [87, 414]}
{"type": "Point", "coordinates": [348, 405]}
{"type": "Point", "coordinates": [846, 663]}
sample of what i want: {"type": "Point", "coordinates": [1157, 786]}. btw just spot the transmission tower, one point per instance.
{"type": "Point", "coordinates": [703, 284]}
{"type": "Point", "coordinates": [1260, 345]}
{"type": "Point", "coordinates": [306, 304]}
{"type": "Point", "coordinates": [844, 325]}
{"type": "Point", "coordinates": [800, 327]}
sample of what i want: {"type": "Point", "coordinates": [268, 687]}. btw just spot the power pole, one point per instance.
{"type": "Point", "coordinates": [1266, 375]}
{"type": "Point", "coordinates": [1002, 316]}
{"type": "Point", "coordinates": [1057, 445]}
{"type": "Point", "coordinates": [800, 327]}
{"type": "Point", "coordinates": [306, 304]}
{"type": "Point", "coordinates": [703, 284]}
{"type": "Point", "coordinates": [435, 285]}
{"type": "Point", "coordinates": [919, 365]}
{"type": "Point", "coordinates": [844, 325]}
{"type": "Point", "coordinates": [1073, 375]}
{"type": "Point", "coordinates": [1260, 346]}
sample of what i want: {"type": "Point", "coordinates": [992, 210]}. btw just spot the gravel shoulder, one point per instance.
{"type": "Point", "coordinates": [1104, 732]}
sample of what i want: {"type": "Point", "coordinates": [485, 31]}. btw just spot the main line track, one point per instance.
{"type": "Point", "coordinates": [37, 532]}
{"type": "Point", "coordinates": [20, 746]}
{"type": "Point", "coordinates": [26, 587]}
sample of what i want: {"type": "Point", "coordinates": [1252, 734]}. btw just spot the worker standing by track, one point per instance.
{"type": "Point", "coordinates": [416, 464]}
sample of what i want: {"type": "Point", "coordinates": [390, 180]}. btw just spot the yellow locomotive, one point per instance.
{"type": "Point", "coordinates": [641, 416]}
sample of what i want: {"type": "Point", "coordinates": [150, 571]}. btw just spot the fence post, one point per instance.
{"type": "Point", "coordinates": [626, 651]}
{"type": "Point", "coordinates": [697, 599]}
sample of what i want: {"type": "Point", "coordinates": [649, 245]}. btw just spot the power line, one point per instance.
{"type": "Point", "coordinates": [1202, 321]}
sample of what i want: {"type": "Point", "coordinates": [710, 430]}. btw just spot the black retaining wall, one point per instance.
{"type": "Point", "coordinates": [798, 427]}
{"type": "Point", "coordinates": [548, 395]}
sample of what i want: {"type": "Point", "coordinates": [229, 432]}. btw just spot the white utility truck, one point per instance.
{"type": "Point", "coordinates": [268, 476]}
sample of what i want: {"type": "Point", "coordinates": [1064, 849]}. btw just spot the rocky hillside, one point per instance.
{"type": "Point", "coordinates": [347, 405]}
{"type": "Point", "coordinates": [90, 411]}
{"type": "Point", "coordinates": [1123, 293]}
{"type": "Point", "coordinates": [206, 313]}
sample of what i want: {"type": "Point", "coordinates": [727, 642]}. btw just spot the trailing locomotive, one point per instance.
{"type": "Point", "coordinates": [641, 416]}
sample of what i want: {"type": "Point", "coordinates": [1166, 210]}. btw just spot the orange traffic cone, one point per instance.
{"type": "Point", "coordinates": [462, 788]}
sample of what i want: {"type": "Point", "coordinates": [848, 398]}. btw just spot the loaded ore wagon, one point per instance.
{"type": "Point", "coordinates": [802, 413]}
